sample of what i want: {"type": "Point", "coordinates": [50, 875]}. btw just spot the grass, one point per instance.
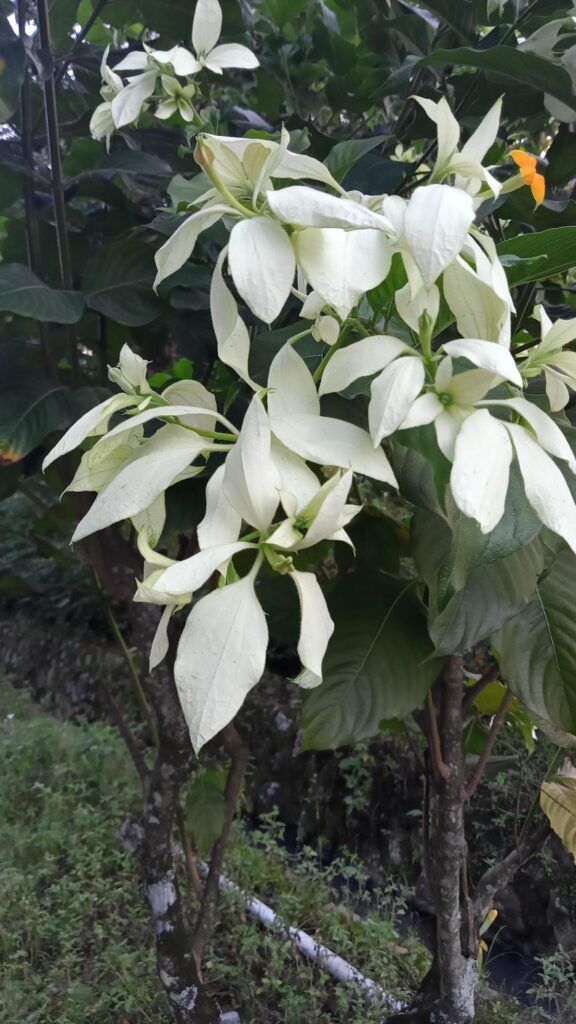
{"type": "Point", "coordinates": [75, 944]}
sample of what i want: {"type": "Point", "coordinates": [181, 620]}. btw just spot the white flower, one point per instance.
{"type": "Point", "coordinates": [179, 100]}
{"type": "Point", "coordinates": [466, 164]}
{"type": "Point", "coordinates": [130, 373]}
{"type": "Point", "coordinates": [476, 289]}
{"type": "Point", "coordinates": [559, 367]}
{"type": "Point", "coordinates": [449, 404]}
{"type": "Point", "coordinates": [206, 29]}
{"type": "Point", "coordinates": [102, 124]}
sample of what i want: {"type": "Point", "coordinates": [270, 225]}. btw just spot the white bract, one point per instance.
{"type": "Point", "coordinates": [466, 164]}
{"type": "Point", "coordinates": [297, 241]}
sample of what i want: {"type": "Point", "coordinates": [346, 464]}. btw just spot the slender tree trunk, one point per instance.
{"type": "Point", "coordinates": [457, 972]}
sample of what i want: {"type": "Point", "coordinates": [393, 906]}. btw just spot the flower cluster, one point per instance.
{"type": "Point", "coordinates": [155, 75]}
{"type": "Point", "coordinates": [284, 479]}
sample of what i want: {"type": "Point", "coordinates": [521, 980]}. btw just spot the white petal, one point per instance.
{"type": "Point", "coordinates": [392, 394]}
{"type": "Point", "coordinates": [479, 310]}
{"type": "Point", "coordinates": [221, 524]}
{"type": "Point", "coordinates": [93, 422]}
{"type": "Point", "coordinates": [221, 656]}
{"type": "Point", "coordinates": [394, 209]}
{"type": "Point", "coordinates": [361, 359]}
{"type": "Point", "coordinates": [193, 393]}
{"type": "Point", "coordinates": [128, 103]}
{"type": "Point", "coordinates": [230, 330]}
{"type": "Point", "coordinates": [413, 305]}
{"type": "Point", "coordinates": [343, 265]}
{"type": "Point", "coordinates": [316, 625]}
{"type": "Point", "coordinates": [296, 481]}
{"type": "Point", "coordinates": [471, 386]}
{"type": "Point", "coordinates": [292, 388]}
{"type": "Point", "coordinates": [232, 55]}
{"type": "Point", "coordinates": [484, 136]}
{"type": "Point", "coordinates": [135, 61]}
{"type": "Point", "coordinates": [160, 643]}
{"type": "Point", "coordinates": [163, 457]}
{"type": "Point", "coordinates": [486, 355]}
{"type": "Point", "coordinates": [333, 512]}
{"type": "Point", "coordinates": [184, 63]}
{"type": "Point", "coordinates": [557, 335]}
{"type": "Point", "coordinates": [309, 208]}
{"type": "Point", "coordinates": [447, 428]}
{"type": "Point", "coordinates": [332, 442]}
{"type": "Point", "coordinates": [448, 128]}
{"type": "Point", "coordinates": [479, 478]}
{"type": "Point", "coordinates": [437, 221]}
{"type": "Point", "coordinates": [151, 520]}
{"type": "Point", "coordinates": [424, 410]}
{"type": "Point", "coordinates": [192, 573]}
{"type": "Point", "coordinates": [298, 165]}
{"type": "Point", "coordinates": [174, 253]}
{"type": "Point", "coordinates": [547, 432]}
{"type": "Point", "coordinates": [250, 480]}
{"type": "Point", "coordinates": [130, 373]}
{"type": "Point", "coordinates": [262, 264]}
{"type": "Point", "coordinates": [556, 390]}
{"type": "Point", "coordinates": [100, 464]}
{"type": "Point", "coordinates": [206, 25]}
{"type": "Point", "coordinates": [546, 488]}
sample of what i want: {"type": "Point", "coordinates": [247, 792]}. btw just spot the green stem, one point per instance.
{"type": "Point", "coordinates": [536, 801]}
{"type": "Point", "coordinates": [298, 337]}
{"type": "Point", "coordinates": [131, 665]}
{"type": "Point", "coordinates": [317, 375]}
{"type": "Point", "coordinates": [53, 135]}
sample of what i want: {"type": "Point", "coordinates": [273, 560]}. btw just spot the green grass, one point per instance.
{"type": "Point", "coordinates": [75, 943]}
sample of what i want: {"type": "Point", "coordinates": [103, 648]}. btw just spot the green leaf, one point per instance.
{"type": "Point", "coordinates": [550, 252]}
{"type": "Point", "coordinates": [206, 808]}
{"type": "Point", "coordinates": [493, 594]}
{"type": "Point", "coordinates": [344, 155]}
{"type": "Point", "coordinates": [506, 64]}
{"type": "Point", "coordinates": [538, 648]}
{"type": "Point", "coordinates": [118, 280]}
{"type": "Point", "coordinates": [378, 664]}
{"type": "Point", "coordinates": [30, 409]}
{"type": "Point", "coordinates": [23, 293]}
{"type": "Point", "coordinates": [459, 16]}
{"type": "Point", "coordinates": [421, 469]}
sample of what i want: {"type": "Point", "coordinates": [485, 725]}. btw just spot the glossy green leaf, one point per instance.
{"type": "Point", "coordinates": [344, 155]}
{"type": "Point", "coordinates": [492, 595]}
{"type": "Point", "coordinates": [23, 293]}
{"type": "Point", "coordinates": [117, 282]}
{"type": "Point", "coordinates": [378, 664]}
{"type": "Point", "coordinates": [506, 64]}
{"type": "Point", "coordinates": [30, 409]}
{"type": "Point", "coordinates": [537, 648]}
{"type": "Point", "coordinates": [550, 252]}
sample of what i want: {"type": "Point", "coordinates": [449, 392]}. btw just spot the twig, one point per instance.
{"type": "Point", "coordinates": [439, 766]}
{"type": "Point", "coordinates": [52, 131]}
{"type": "Point", "coordinates": [126, 734]}
{"type": "Point", "coordinates": [536, 801]}
{"type": "Point", "coordinates": [239, 760]}
{"type": "Point", "coordinates": [474, 691]}
{"type": "Point", "coordinates": [497, 723]}
{"type": "Point", "coordinates": [188, 852]}
{"type": "Point", "coordinates": [131, 665]}
{"type": "Point", "coordinates": [96, 12]}
{"type": "Point", "coordinates": [500, 874]}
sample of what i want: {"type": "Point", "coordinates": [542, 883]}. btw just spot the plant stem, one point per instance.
{"type": "Point", "coordinates": [497, 723]}
{"type": "Point", "coordinates": [440, 769]}
{"type": "Point", "coordinates": [129, 659]}
{"type": "Point", "coordinates": [479, 686]}
{"type": "Point", "coordinates": [53, 135]}
{"type": "Point", "coordinates": [206, 916]}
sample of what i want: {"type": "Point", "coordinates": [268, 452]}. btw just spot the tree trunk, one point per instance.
{"type": "Point", "coordinates": [447, 993]}
{"type": "Point", "coordinates": [457, 972]}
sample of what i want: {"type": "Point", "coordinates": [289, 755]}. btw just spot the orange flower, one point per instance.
{"type": "Point", "coordinates": [528, 164]}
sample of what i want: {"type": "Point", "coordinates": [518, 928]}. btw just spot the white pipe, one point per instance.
{"type": "Point", "coordinates": [335, 965]}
